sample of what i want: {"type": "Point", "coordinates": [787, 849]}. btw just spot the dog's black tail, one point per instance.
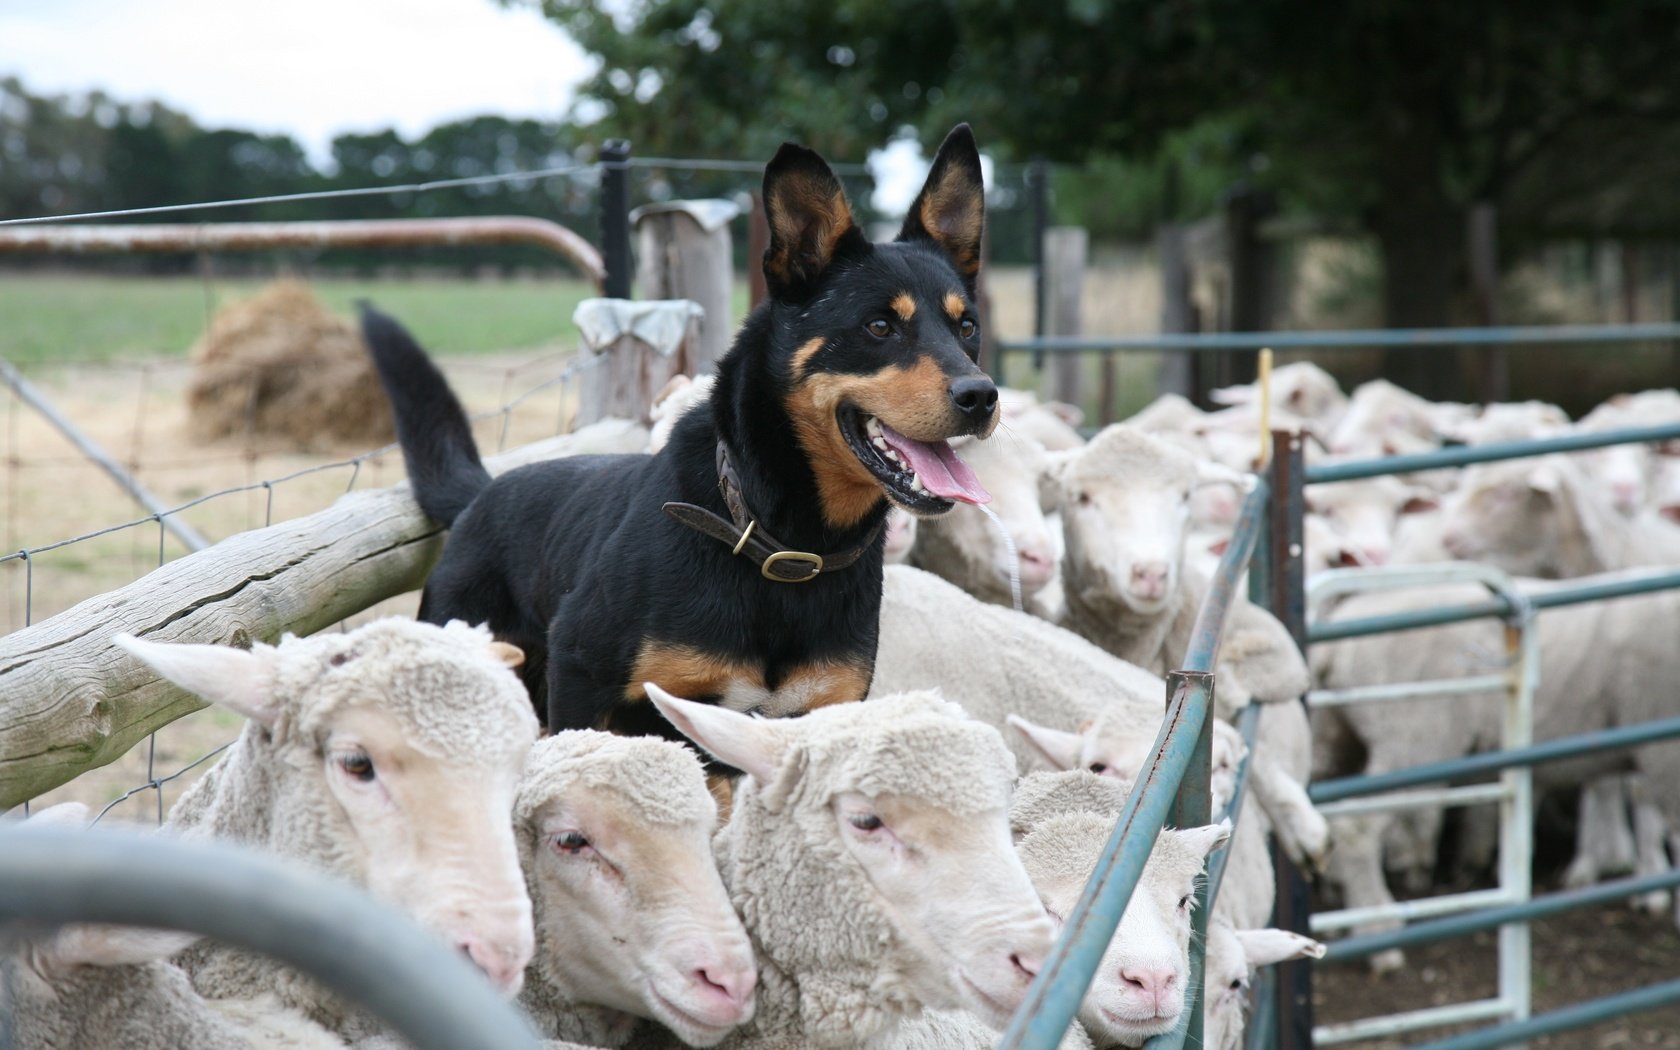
{"type": "Point", "coordinates": [437, 441]}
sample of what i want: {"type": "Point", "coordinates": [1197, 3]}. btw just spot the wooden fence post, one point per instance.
{"type": "Point", "coordinates": [1492, 362]}
{"type": "Point", "coordinates": [683, 251]}
{"type": "Point", "coordinates": [615, 218]}
{"type": "Point", "coordinates": [644, 342]}
{"type": "Point", "coordinates": [1065, 248]}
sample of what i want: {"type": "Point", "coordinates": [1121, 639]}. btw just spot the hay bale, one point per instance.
{"type": "Point", "coordinates": [279, 367]}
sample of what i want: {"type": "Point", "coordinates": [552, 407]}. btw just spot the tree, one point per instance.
{"type": "Point", "coordinates": [1396, 115]}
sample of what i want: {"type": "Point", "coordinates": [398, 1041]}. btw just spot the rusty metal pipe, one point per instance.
{"type": "Point", "coordinates": [353, 233]}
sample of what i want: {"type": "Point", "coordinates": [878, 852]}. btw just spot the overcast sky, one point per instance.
{"type": "Point", "coordinates": [313, 68]}
{"type": "Point", "coordinates": [318, 68]}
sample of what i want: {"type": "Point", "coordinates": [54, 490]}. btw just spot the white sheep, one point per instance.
{"type": "Point", "coordinates": [387, 756]}
{"type": "Point", "coordinates": [1606, 652]}
{"type": "Point", "coordinates": [1626, 471]}
{"type": "Point", "coordinates": [632, 920]}
{"type": "Point", "coordinates": [1052, 424]}
{"type": "Point", "coordinates": [1300, 389]}
{"type": "Point", "coordinates": [965, 545]}
{"type": "Point", "coordinates": [902, 529]}
{"type": "Point", "coordinates": [868, 854]}
{"type": "Point", "coordinates": [87, 985]}
{"type": "Point", "coordinates": [1232, 957]}
{"type": "Point", "coordinates": [1544, 517]}
{"type": "Point", "coordinates": [1385, 419]}
{"type": "Point", "coordinates": [679, 394]}
{"type": "Point", "coordinates": [1124, 515]}
{"type": "Point", "coordinates": [1362, 517]}
{"type": "Point", "coordinates": [1062, 822]}
{"type": "Point", "coordinates": [996, 662]}
{"type": "Point", "coordinates": [1508, 421]}
{"type": "Point", "coordinates": [1251, 888]}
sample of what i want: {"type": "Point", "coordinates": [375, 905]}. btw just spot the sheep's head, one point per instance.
{"type": "Point", "coordinates": [1009, 467]}
{"type": "Point", "coordinates": [870, 856]}
{"type": "Point", "coordinates": [1139, 988]}
{"type": "Point", "coordinates": [1528, 517]}
{"type": "Point", "coordinates": [615, 838]}
{"type": "Point", "coordinates": [395, 750]}
{"type": "Point", "coordinates": [1125, 501]}
{"type": "Point", "coordinates": [1117, 748]}
{"type": "Point", "coordinates": [1232, 958]}
{"type": "Point", "coordinates": [1299, 388]}
{"type": "Point", "coordinates": [1364, 513]}
{"type": "Point", "coordinates": [901, 535]}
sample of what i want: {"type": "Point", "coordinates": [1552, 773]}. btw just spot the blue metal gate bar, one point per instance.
{"type": "Point", "coordinates": [1496, 761]}
{"type": "Point", "coordinates": [1621, 584]}
{"type": "Point", "coordinates": [1054, 996]}
{"type": "Point", "coordinates": [1568, 1019]}
{"type": "Point", "coordinates": [1465, 455]}
{"type": "Point", "coordinates": [357, 946]}
{"type": "Point", "coordinates": [1350, 339]}
{"type": "Point", "coordinates": [1358, 947]}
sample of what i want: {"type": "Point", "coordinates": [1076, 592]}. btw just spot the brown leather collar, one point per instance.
{"type": "Point", "coordinates": [775, 561]}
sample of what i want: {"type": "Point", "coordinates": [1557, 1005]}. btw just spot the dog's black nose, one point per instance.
{"type": "Point", "coordinates": [975, 397]}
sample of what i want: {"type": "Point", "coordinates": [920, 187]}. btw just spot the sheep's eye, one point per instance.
{"type": "Point", "coordinates": [1098, 768]}
{"type": "Point", "coordinates": [1083, 499]}
{"type": "Point", "coordinates": [967, 329]}
{"type": "Point", "coordinates": [865, 822]}
{"type": "Point", "coordinates": [1184, 901]}
{"type": "Point", "coordinates": [357, 765]}
{"type": "Point", "coordinates": [571, 842]}
{"type": "Point", "coordinates": [880, 328]}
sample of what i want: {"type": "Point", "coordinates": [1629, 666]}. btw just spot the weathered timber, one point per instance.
{"type": "Point", "coordinates": [70, 701]}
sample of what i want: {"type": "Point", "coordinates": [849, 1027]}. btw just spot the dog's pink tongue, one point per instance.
{"type": "Point", "coordinates": [936, 463]}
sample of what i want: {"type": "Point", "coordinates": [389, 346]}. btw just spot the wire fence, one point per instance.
{"type": "Point", "coordinates": [535, 397]}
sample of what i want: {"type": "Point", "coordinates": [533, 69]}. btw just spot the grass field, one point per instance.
{"type": "Point", "coordinates": [56, 317]}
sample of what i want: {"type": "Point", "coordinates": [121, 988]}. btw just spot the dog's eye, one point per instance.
{"type": "Point", "coordinates": [880, 328]}
{"type": "Point", "coordinates": [968, 328]}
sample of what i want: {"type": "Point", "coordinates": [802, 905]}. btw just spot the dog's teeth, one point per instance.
{"type": "Point", "coordinates": [873, 427]}
{"type": "Point", "coordinates": [880, 443]}
{"type": "Point", "coordinates": [916, 483]}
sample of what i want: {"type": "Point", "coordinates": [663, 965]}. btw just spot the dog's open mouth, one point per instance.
{"type": "Point", "coordinates": [924, 477]}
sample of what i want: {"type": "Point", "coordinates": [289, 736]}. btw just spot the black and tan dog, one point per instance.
{"type": "Point", "coordinates": [741, 564]}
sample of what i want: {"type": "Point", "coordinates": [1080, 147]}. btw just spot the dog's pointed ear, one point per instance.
{"type": "Point", "coordinates": [951, 209]}
{"type": "Point", "coordinates": [810, 221]}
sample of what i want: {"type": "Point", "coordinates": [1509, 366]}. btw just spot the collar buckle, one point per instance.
{"type": "Point", "coordinates": [812, 562]}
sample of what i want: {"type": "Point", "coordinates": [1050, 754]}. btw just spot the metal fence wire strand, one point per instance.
{"type": "Point", "coordinates": [155, 782]}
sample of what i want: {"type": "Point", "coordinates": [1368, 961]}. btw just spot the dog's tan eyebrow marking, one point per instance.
{"type": "Point", "coordinates": [904, 306]}
{"type": "Point", "coordinates": [802, 356]}
{"type": "Point", "coordinates": [954, 305]}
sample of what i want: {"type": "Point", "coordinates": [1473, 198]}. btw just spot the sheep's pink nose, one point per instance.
{"type": "Point", "coordinates": [505, 969]}
{"type": "Point", "coordinates": [1149, 579]}
{"type": "Point", "coordinates": [1374, 555]}
{"type": "Point", "coordinates": [734, 981]}
{"type": "Point", "coordinates": [1152, 984]}
{"type": "Point", "coordinates": [1625, 494]}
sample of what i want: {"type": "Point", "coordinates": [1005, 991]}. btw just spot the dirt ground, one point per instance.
{"type": "Point", "coordinates": [1578, 956]}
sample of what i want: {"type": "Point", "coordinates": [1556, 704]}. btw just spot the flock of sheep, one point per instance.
{"type": "Point", "coordinates": [892, 874]}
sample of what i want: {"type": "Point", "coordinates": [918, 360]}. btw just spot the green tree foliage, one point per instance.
{"type": "Point", "coordinates": [1391, 115]}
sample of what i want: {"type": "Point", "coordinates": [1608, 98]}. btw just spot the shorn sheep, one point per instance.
{"type": "Point", "coordinates": [995, 662]}
{"type": "Point", "coordinates": [868, 854]}
{"type": "Point", "coordinates": [632, 920]}
{"type": "Point", "coordinates": [387, 756]}
{"type": "Point", "coordinates": [1062, 822]}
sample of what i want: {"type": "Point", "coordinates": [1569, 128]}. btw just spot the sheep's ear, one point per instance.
{"type": "Point", "coordinates": [1059, 749]}
{"type": "Point", "coordinates": [810, 222]}
{"type": "Point", "coordinates": [1210, 473]}
{"type": "Point", "coordinates": [1546, 478]}
{"type": "Point", "coordinates": [1420, 501]}
{"type": "Point", "coordinates": [233, 678]}
{"type": "Point", "coordinates": [752, 745]}
{"type": "Point", "coordinates": [507, 654]}
{"type": "Point", "coordinates": [1268, 946]}
{"type": "Point", "coordinates": [950, 210]}
{"type": "Point", "coordinates": [96, 945]}
{"type": "Point", "coordinates": [1207, 838]}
